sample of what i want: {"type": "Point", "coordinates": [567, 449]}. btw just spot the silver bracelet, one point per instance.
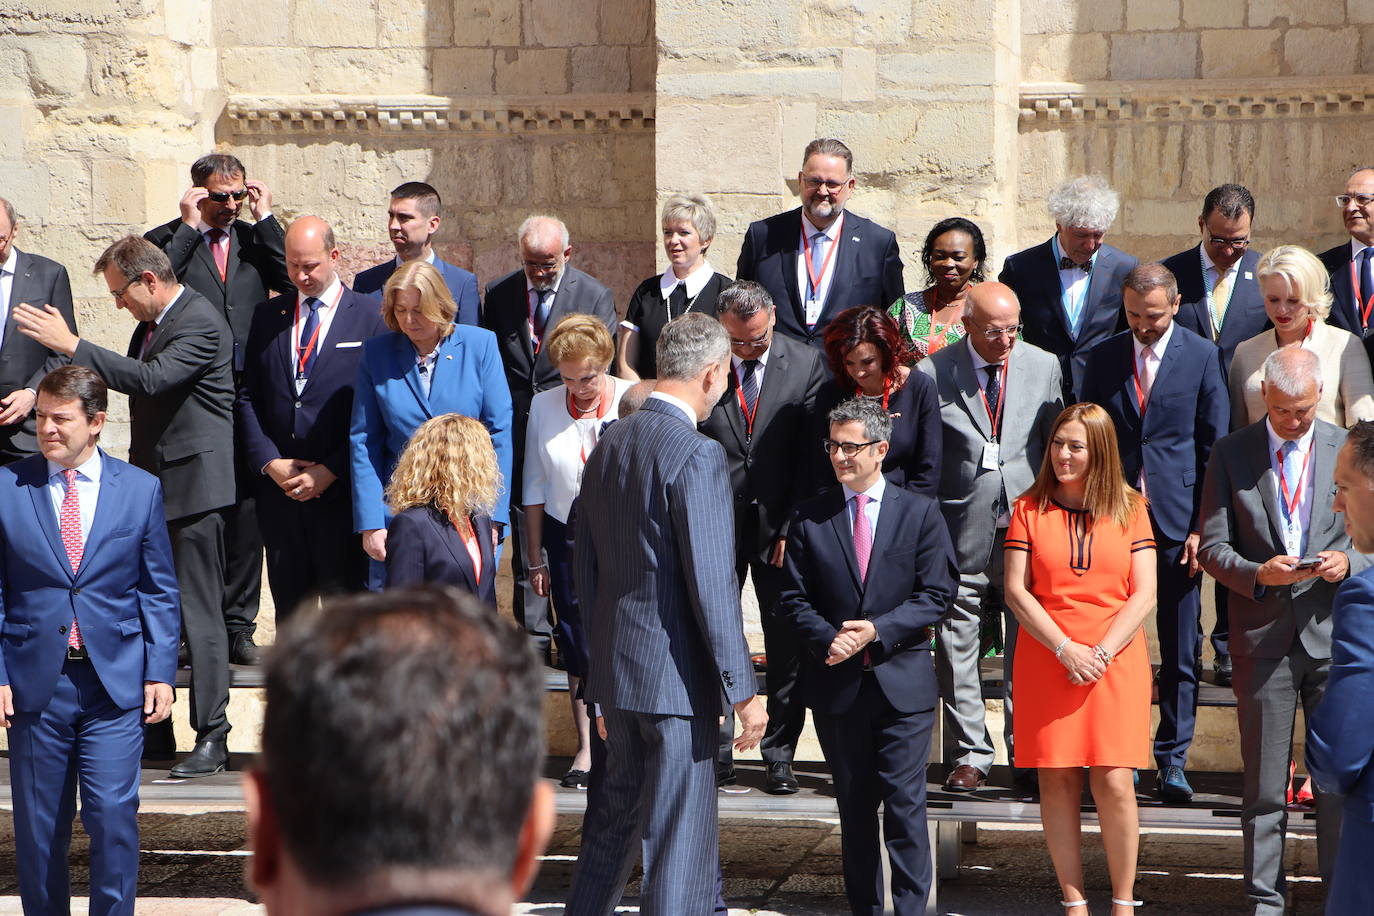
{"type": "Point", "coordinates": [1059, 649]}
{"type": "Point", "coordinates": [540, 566]}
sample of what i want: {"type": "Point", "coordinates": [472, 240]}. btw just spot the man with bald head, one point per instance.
{"type": "Point", "coordinates": [999, 397]}
{"type": "Point", "coordinates": [294, 403]}
{"type": "Point", "coordinates": [520, 309]}
{"type": "Point", "coordinates": [178, 375]}
{"type": "Point", "coordinates": [1351, 263]}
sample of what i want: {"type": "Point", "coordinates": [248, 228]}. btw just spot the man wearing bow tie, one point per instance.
{"type": "Point", "coordinates": [1070, 285]}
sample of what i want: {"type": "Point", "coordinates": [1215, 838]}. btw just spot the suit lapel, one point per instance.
{"type": "Point", "coordinates": [1266, 481]}
{"type": "Point", "coordinates": [844, 534]}
{"type": "Point", "coordinates": [774, 382]}
{"type": "Point", "coordinates": [340, 328]}
{"type": "Point", "coordinates": [966, 377]}
{"type": "Point", "coordinates": [730, 405]}
{"type": "Point", "coordinates": [789, 267]}
{"type": "Point", "coordinates": [1323, 467]}
{"type": "Point", "coordinates": [405, 360]}
{"type": "Point", "coordinates": [164, 327]}
{"type": "Point", "coordinates": [207, 258]}
{"type": "Point", "coordinates": [844, 265]}
{"type": "Point", "coordinates": [19, 292]}
{"type": "Point", "coordinates": [105, 511]}
{"type": "Point", "coordinates": [1055, 289]}
{"type": "Point", "coordinates": [47, 518]}
{"type": "Point", "coordinates": [233, 256]}
{"type": "Point", "coordinates": [454, 542]}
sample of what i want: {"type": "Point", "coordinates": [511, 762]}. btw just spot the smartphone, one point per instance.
{"type": "Point", "coordinates": [1309, 563]}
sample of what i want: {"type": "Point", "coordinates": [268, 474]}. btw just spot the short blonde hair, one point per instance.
{"type": "Point", "coordinates": [436, 302]}
{"type": "Point", "coordinates": [578, 337]}
{"type": "Point", "coordinates": [449, 463]}
{"type": "Point", "coordinates": [694, 209]}
{"type": "Point", "coordinates": [1305, 275]}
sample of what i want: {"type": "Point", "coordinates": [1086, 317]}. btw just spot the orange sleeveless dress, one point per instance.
{"type": "Point", "coordinates": [1080, 573]}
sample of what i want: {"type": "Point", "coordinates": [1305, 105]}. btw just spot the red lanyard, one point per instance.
{"type": "Point", "coordinates": [468, 533]}
{"type": "Point", "coordinates": [1291, 503]}
{"type": "Point", "coordinates": [601, 407]}
{"type": "Point", "coordinates": [887, 394]}
{"type": "Point", "coordinates": [303, 353]}
{"type": "Point", "coordinates": [1001, 399]}
{"type": "Point", "coordinates": [743, 407]}
{"type": "Point", "coordinates": [1367, 307]}
{"type": "Point", "coordinates": [814, 277]}
{"type": "Point", "coordinates": [1139, 391]}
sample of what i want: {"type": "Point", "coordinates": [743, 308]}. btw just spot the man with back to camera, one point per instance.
{"type": "Point", "coordinates": [89, 616]}
{"type": "Point", "coordinates": [412, 220]}
{"type": "Point", "coordinates": [820, 259]}
{"type": "Point", "coordinates": [427, 676]}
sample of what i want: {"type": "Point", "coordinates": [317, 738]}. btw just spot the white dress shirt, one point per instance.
{"type": "Point", "coordinates": [1210, 274]}
{"type": "Point", "coordinates": [738, 365]}
{"type": "Point", "coordinates": [1294, 535]}
{"type": "Point", "coordinates": [680, 404]}
{"type": "Point", "coordinates": [428, 259]}
{"type": "Point", "coordinates": [833, 236]}
{"type": "Point", "coordinates": [87, 490]}
{"type": "Point", "coordinates": [1156, 354]}
{"type": "Point", "coordinates": [554, 447]}
{"type": "Point", "coordinates": [1074, 282]}
{"type": "Point", "coordinates": [7, 287]}
{"type": "Point", "coordinates": [329, 301]}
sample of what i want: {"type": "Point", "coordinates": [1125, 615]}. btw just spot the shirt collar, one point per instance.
{"type": "Point", "coordinates": [557, 283]}
{"type": "Point", "coordinates": [328, 299]}
{"type": "Point", "coordinates": [762, 358]}
{"type": "Point", "coordinates": [11, 262]}
{"type": "Point", "coordinates": [696, 280]}
{"type": "Point", "coordinates": [874, 493]}
{"type": "Point", "coordinates": [168, 307]}
{"type": "Point", "coordinates": [89, 469]}
{"type": "Point", "coordinates": [1276, 441]}
{"type": "Point", "coordinates": [1209, 264]}
{"type": "Point", "coordinates": [428, 259]}
{"type": "Point", "coordinates": [677, 402]}
{"type": "Point", "coordinates": [832, 232]}
{"type": "Point", "coordinates": [1158, 347]}
{"type": "Point", "coordinates": [978, 361]}
{"type": "Point", "coordinates": [1059, 254]}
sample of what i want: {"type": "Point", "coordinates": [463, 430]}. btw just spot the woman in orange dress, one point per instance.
{"type": "Point", "coordinates": [1080, 568]}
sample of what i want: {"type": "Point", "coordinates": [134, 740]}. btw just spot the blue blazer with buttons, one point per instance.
{"type": "Point", "coordinates": [462, 285]}
{"type": "Point", "coordinates": [124, 595]}
{"type": "Point", "coordinates": [389, 404]}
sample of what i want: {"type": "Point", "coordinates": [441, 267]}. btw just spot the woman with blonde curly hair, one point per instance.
{"type": "Point", "coordinates": [442, 493]}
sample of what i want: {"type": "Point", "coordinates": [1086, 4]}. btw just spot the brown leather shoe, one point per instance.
{"type": "Point", "coordinates": [965, 778]}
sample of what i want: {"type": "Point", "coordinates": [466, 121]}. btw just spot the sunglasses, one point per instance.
{"type": "Point", "coordinates": [220, 197]}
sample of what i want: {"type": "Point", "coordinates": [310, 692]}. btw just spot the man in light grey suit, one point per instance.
{"type": "Point", "coordinates": [655, 571]}
{"type": "Point", "coordinates": [1271, 537]}
{"type": "Point", "coordinates": [997, 409]}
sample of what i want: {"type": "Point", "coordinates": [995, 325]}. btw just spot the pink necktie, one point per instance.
{"type": "Point", "coordinates": [69, 523]}
{"type": "Point", "coordinates": [863, 535]}
{"type": "Point", "coordinates": [220, 250]}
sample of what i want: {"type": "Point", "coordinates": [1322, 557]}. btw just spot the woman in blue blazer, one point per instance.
{"type": "Point", "coordinates": [442, 494]}
{"type": "Point", "coordinates": [427, 367]}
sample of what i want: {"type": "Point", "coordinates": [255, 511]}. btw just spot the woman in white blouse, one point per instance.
{"type": "Point", "coordinates": [1297, 299]}
{"type": "Point", "coordinates": [564, 426]}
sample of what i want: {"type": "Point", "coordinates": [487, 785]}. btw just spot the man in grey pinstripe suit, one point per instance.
{"type": "Point", "coordinates": [656, 575]}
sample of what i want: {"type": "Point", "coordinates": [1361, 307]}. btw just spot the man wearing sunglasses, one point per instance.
{"type": "Point", "coordinates": [235, 265]}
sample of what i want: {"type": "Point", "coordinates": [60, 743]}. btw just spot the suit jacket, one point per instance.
{"type": "Point", "coordinates": [276, 422]}
{"type": "Point", "coordinates": [389, 404]}
{"type": "Point", "coordinates": [1034, 276]}
{"type": "Point", "coordinates": [256, 266]}
{"type": "Point", "coordinates": [768, 473]}
{"type": "Point", "coordinates": [423, 548]}
{"type": "Point", "coordinates": [971, 495]}
{"type": "Point", "coordinates": [462, 285]}
{"type": "Point", "coordinates": [1245, 315]}
{"type": "Point", "coordinates": [24, 361]}
{"type": "Point", "coordinates": [181, 403]}
{"type": "Point", "coordinates": [1340, 743]}
{"type": "Point", "coordinates": [1240, 531]}
{"type": "Point", "coordinates": [1345, 305]}
{"type": "Point", "coordinates": [867, 270]}
{"type": "Point", "coordinates": [655, 570]}
{"type": "Point", "coordinates": [124, 593]}
{"type": "Point", "coordinates": [910, 584]}
{"type": "Point", "coordinates": [1187, 413]}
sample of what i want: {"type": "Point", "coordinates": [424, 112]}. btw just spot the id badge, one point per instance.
{"type": "Point", "coordinates": [813, 312]}
{"type": "Point", "coordinates": [991, 460]}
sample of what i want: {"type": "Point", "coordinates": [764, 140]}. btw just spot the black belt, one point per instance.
{"type": "Point", "coordinates": [78, 654]}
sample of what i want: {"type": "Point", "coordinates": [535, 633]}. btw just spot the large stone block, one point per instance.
{"type": "Point", "coordinates": [14, 70]}
{"type": "Point", "coordinates": [482, 23]}
{"type": "Point", "coordinates": [643, 69]}
{"type": "Point", "coordinates": [858, 75]}
{"type": "Point", "coordinates": [688, 24]}
{"type": "Point", "coordinates": [1166, 55]}
{"type": "Point", "coordinates": [1209, 14]}
{"type": "Point", "coordinates": [188, 23]}
{"type": "Point", "coordinates": [933, 67]}
{"type": "Point", "coordinates": [883, 140]}
{"type": "Point", "coordinates": [406, 23]}
{"type": "Point", "coordinates": [12, 132]}
{"type": "Point", "coordinates": [363, 70]}
{"type": "Point", "coordinates": [1241, 52]}
{"type": "Point", "coordinates": [1050, 16]}
{"type": "Point", "coordinates": [1152, 15]}
{"type": "Point", "coordinates": [335, 24]}
{"type": "Point", "coordinates": [531, 71]}
{"type": "Point", "coordinates": [69, 181]}
{"type": "Point", "coordinates": [1297, 12]}
{"type": "Point", "coordinates": [629, 22]}
{"type": "Point", "coordinates": [266, 70]}
{"type": "Point", "coordinates": [464, 71]}
{"type": "Point", "coordinates": [754, 82]}
{"type": "Point", "coordinates": [690, 138]}
{"type": "Point", "coordinates": [601, 69]}
{"type": "Point", "coordinates": [1321, 52]}
{"type": "Point", "coordinates": [968, 20]}
{"type": "Point", "coordinates": [26, 187]}
{"type": "Point", "coordinates": [118, 188]}
{"type": "Point", "coordinates": [558, 23]}
{"type": "Point", "coordinates": [1069, 57]}
{"type": "Point", "coordinates": [252, 23]}
{"type": "Point", "coordinates": [57, 65]}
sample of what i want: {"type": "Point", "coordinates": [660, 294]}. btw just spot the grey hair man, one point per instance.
{"type": "Point", "coordinates": [661, 608]}
{"type": "Point", "coordinates": [999, 396]}
{"type": "Point", "coordinates": [1270, 536]}
{"type": "Point", "coordinates": [1351, 263]}
{"type": "Point", "coordinates": [1070, 285]}
{"type": "Point", "coordinates": [765, 423]}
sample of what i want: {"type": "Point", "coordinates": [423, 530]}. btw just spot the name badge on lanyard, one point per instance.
{"type": "Point", "coordinates": [816, 279]}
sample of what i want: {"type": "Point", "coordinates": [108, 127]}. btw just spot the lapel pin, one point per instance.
{"type": "Point", "coordinates": [853, 238]}
{"type": "Point", "coordinates": [1249, 276]}
{"type": "Point", "coordinates": [283, 311]}
{"type": "Point", "coordinates": [450, 356]}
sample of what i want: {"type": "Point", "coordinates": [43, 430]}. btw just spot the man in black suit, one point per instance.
{"type": "Point", "coordinates": [820, 259]}
{"type": "Point", "coordinates": [235, 266]}
{"type": "Point", "coordinates": [1070, 286]}
{"type": "Point", "coordinates": [870, 571]}
{"type": "Point", "coordinates": [520, 308]}
{"type": "Point", "coordinates": [764, 420]}
{"type": "Point", "coordinates": [294, 402]}
{"type": "Point", "coordinates": [1352, 273]}
{"type": "Point", "coordinates": [34, 279]}
{"type": "Point", "coordinates": [178, 377]}
{"type": "Point", "coordinates": [1164, 388]}
{"type": "Point", "coordinates": [416, 666]}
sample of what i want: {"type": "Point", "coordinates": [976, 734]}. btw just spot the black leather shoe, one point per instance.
{"type": "Point", "coordinates": [208, 757]}
{"type": "Point", "coordinates": [1223, 670]}
{"type": "Point", "coordinates": [242, 650]}
{"type": "Point", "coordinates": [1173, 786]}
{"type": "Point", "coordinates": [780, 779]}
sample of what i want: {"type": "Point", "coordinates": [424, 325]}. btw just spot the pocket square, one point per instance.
{"type": "Point", "coordinates": [348, 343]}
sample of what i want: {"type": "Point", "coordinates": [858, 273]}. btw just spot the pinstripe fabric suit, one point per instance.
{"type": "Point", "coordinates": [655, 569]}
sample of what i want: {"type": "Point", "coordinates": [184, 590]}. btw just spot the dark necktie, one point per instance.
{"type": "Point", "coordinates": [541, 312]}
{"type": "Point", "coordinates": [677, 301]}
{"type": "Point", "coordinates": [1068, 263]}
{"type": "Point", "coordinates": [993, 391]}
{"type": "Point", "coordinates": [306, 348]}
{"type": "Point", "coordinates": [1366, 281]}
{"type": "Point", "coordinates": [749, 387]}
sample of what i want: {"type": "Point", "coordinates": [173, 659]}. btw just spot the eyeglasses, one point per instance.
{"type": "Point", "coordinates": [1363, 200]}
{"type": "Point", "coordinates": [760, 341]}
{"type": "Point", "coordinates": [816, 184]}
{"type": "Point", "coordinates": [995, 333]}
{"type": "Point", "coordinates": [1228, 243]}
{"type": "Point", "coordinates": [849, 449]}
{"type": "Point", "coordinates": [119, 293]}
{"type": "Point", "coordinates": [220, 197]}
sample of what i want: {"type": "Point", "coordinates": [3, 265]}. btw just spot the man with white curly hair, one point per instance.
{"type": "Point", "coordinates": [1070, 285]}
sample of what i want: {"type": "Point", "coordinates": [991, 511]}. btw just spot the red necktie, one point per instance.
{"type": "Point", "coordinates": [69, 523]}
{"type": "Point", "coordinates": [219, 250]}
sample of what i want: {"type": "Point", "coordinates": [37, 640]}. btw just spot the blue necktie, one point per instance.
{"type": "Point", "coordinates": [1292, 475]}
{"type": "Point", "coordinates": [312, 323]}
{"type": "Point", "coordinates": [817, 260]}
{"type": "Point", "coordinates": [541, 312]}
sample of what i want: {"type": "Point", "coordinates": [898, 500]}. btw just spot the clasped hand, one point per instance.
{"type": "Point", "coordinates": [853, 635]}
{"type": "Point", "coordinates": [1083, 665]}
{"type": "Point", "coordinates": [1283, 569]}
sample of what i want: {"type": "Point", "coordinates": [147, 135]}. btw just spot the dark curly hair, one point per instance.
{"type": "Point", "coordinates": [859, 325]}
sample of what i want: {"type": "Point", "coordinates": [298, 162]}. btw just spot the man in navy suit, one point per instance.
{"type": "Point", "coordinates": [1164, 388]}
{"type": "Point", "coordinates": [1070, 286]}
{"type": "Point", "coordinates": [411, 221]}
{"type": "Point", "coordinates": [293, 408]}
{"type": "Point", "coordinates": [820, 259]}
{"type": "Point", "coordinates": [870, 571]}
{"type": "Point", "coordinates": [433, 677]}
{"type": "Point", "coordinates": [89, 618]}
{"type": "Point", "coordinates": [1340, 737]}
{"type": "Point", "coordinates": [655, 573]}
{"type": "Point", "coordinates": [1351, 263]}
